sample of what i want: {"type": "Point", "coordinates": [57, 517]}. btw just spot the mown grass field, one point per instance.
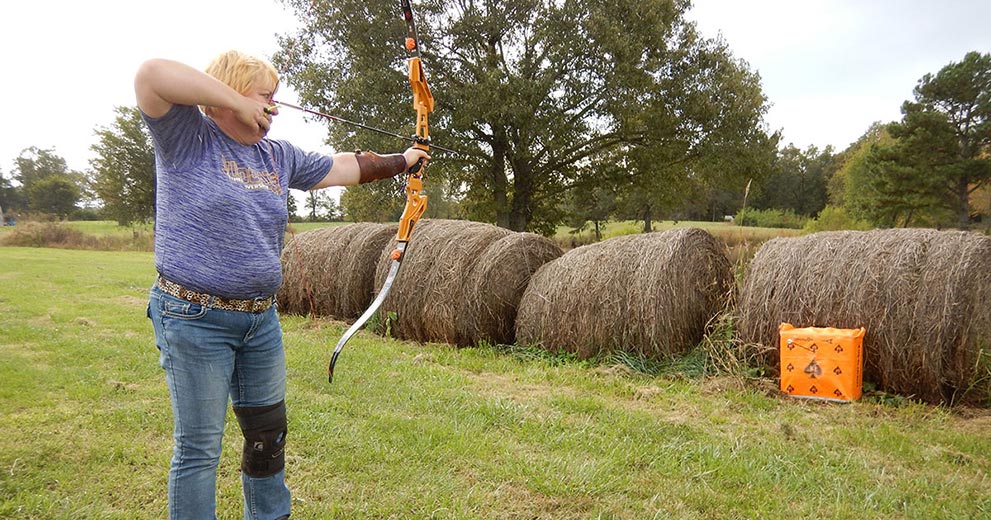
{"type": "Point", "coordinates": [431, 431]}
{"type": "Point", "coordinates": [727, 231]}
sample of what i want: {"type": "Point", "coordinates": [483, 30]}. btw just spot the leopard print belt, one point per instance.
{"type": "Point", "coordinates": [255, 306]}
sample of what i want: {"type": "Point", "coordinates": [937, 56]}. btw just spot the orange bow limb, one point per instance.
{"type": "Point", "coordinates": [423, 101]}
{"type": "Point", "coordinates": [416, 204]}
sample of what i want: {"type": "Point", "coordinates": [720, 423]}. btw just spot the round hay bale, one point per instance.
{"type": "Point", "coordinates": [649, 294]}
{"type": "Point", "coordinates": [293, 296]}
{"type": "Point", "coordinates": [430, 295]}
{"type": "Point", "coordinates": [923, 296]}
{"type": "Point", "coordinates": [337, 266]}
{"type": "Point", "coordinates": [499, 279]}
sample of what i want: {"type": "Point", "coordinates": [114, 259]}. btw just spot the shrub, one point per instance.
{"type": "Point", "coordinates": [43, 234]}
{"type": "Point", "coordinates": [772, 218]}
{"type": "Point", "coordinates": [65, 236]}
{"type": "Point", "coordinates": [833, 218]}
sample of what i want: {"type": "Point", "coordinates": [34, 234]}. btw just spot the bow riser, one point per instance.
{"type": "Point", "coordinates": [423, 102]}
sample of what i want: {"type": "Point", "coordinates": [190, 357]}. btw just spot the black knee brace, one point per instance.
{"type": "Point", "coordinates": [264, 429]}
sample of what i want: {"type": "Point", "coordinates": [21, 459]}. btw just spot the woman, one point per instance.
{"type": "Point", "coordinates": [220, 222]}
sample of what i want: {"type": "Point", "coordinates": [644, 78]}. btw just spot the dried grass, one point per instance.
{"type": "Point", "coordinates": [650, 294]}
{"type": "Point", "coordinates": [923, 295]}
{"type": "Point", "coordinates": [335, 266]}
{"type": "Point", "coordinates": [460, 281]}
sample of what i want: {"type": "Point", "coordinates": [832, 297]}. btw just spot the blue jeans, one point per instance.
{"type": "Point", "coordinates": [209, 354]}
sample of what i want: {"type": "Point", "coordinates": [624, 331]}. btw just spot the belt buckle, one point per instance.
{"type": "Point", "coordinates": [260, 304]}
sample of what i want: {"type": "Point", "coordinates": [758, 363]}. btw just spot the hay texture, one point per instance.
{"type": "Point", "coordinates": [336, 265]}
{"type": "Point", "coordinates": [650, 294]}
{"type": "Point", "coordinates": [460, 281]}
{"type": "Point", "coordinates": [923, 295]}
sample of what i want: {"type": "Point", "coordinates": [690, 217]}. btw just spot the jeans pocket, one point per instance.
{"type": "Point", "coordinates": [173, 307]}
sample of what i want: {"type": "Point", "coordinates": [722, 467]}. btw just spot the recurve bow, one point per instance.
{"type": "Point", "coordinates": [416, 204]}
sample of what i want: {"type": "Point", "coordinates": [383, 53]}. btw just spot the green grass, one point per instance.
{"type": "Point", "coordinates": [109, 227]}
{"type": "Point", "coordinates": [432, 431]}
{"type": "Point", "coordinates": [300, 227]}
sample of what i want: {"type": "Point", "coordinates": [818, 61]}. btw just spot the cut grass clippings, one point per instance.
{"type": "Point", "coordinates": [431, 431]}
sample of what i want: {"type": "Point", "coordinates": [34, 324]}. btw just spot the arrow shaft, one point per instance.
{"type": "Point", "coordinates": [361, 125]}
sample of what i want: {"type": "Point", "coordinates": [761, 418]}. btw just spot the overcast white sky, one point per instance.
{"type": "Point", "coordinates": [829, 67]}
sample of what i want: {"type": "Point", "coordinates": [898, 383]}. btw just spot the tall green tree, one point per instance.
{"type": "Point", "coordinates": [34, 164]}
{"type": "Point", "coordinates": [47, 183]}
{"type": "Point", "coordinates": [798, 182]}
{"type": "Point", "coordinates": [836, 187]}
{"type": "Point", "coordinates": [11, 197]}
{"type": "Point", "coordinates": [322, 206]}
{"type": "Point", "coordinates": [368, 202]}
{"type": "Point", "coordinates": [945, 134]}
{"type": "Point", "coordinates": [124, 168]}
{"type": "Point", "coordinates": [534, 93]}
{"type": "Point", "coordinates": [55, 195]}
{"type": "Point", "coordinates": [291, 207]}
{"type": "Point", "coordinates": [700, 131]}
{"type": "Point", "coordinates": [876, 183]}
{"type": "Point", "coordinates": [593, 206]}
{"type": "Point", "coordinates": [887, 191]}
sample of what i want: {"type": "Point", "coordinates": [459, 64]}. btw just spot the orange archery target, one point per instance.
{"type": "Point", "coordinates": [822, 363]}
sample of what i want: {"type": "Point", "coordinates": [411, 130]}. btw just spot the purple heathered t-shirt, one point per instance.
{"type": "Point", "coordinates": [221, 206]}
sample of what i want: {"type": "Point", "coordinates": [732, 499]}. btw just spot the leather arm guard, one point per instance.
{"type": "Point", "coordinates": [372, 166]}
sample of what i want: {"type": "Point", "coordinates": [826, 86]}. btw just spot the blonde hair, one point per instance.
{"type": "Point", "coordinates": [241, 71]}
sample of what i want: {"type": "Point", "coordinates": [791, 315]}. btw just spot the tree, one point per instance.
{"type": "Point", "coordinates": [595, 205]}
{"type": "Point", "coordinates": [892, 192]}
{"type": "Point", "coordinates": [322, 206]}
{"type": "Point", "coordinates": [55, 194]}
{"type": "Point", "coordinates": [291, 207]}
{"type": "Point", "coordinates": [702, 131]}
{"type": "Point", "coordinates": [314, 201]}
{"type": "Point", "coordinates": [34, 164]}
{"type": "Point", "coordinates": [836, 186]}
{"type": "Point", "coordinates": [798, 182]}
{"type": "Point", "coordinates": [876, 183]}
{"type": "Point", "coordinates": [945, 133]}
{"type": "Point", "coordinates": [124, 168]}
{"type": "Point", "coordinates": [47, 184]}
{"type": "Point", "coordinates": [11, 198]}
{"type": "Point", "coordinates": [645, 195]}
{"type": "Point", "coordinates": [534, 93]}
{"type": "Point", "coordinates": [373, 202]}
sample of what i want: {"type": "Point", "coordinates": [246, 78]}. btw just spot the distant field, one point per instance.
{"type": "Point", "coordinates": [109, 227]}
{"type": "Point", "coordinates": [728, 231]}
{"type": "Point", "coordinates": [300, 227]}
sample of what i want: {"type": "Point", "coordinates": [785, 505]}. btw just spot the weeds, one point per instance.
{"type": "Point", "coordinates": [725, 354]}
{"type": "Point", "coordinates": [382, 327]}
{"type": "Point", "coordinates": [65, 236]}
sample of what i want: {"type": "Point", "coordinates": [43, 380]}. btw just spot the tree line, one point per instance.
{"type": "Point", "coordinates": [574, 114]}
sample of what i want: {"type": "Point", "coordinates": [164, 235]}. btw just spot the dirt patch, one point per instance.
{"type": "Point", "coordinates": [127, 299]}
{"type": "Point", "coordinates": [512, 389]}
